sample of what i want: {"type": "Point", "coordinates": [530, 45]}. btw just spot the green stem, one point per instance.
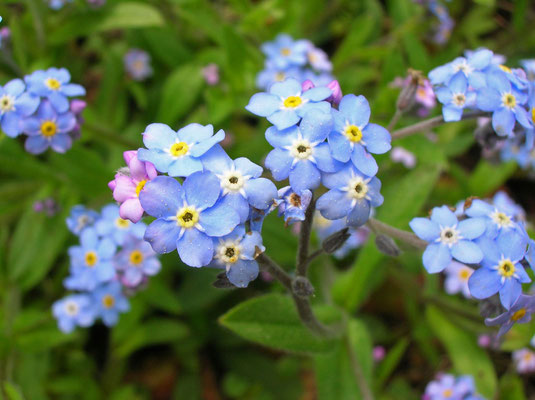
{"type": "Point", "coordinates": [395, 233]}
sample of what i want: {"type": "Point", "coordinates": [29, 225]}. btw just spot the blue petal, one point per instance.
{"type": "Point", "coordinates": [14, 87]}
{"type": "Point", "coordinates": [377, 139]}
{"type": "Point", "coordinates": [339, 146]}
{"type": "Point", "coordinates": [440, 74]}
{"type": "Point", "coordinates": [183, 166]}
{"type": "Point", "coordinates": [238, 203]}
{"type": "Point", "coordinates": [512, 245]}
{"type": "Point", "coordinates": [161, 197]}
{"type": "Point", "coordinates": [355, 109]}
{"type": "Point", "coordinates": [194, 133]}
{"type": "Point", "coordinates": [162, 235]}
{"type": "Point", "coordinates": [334, 204]}
{"type": "Point", "coordinates": [281, 138]}
{"type": "Point", "coordinates": [242, 272]}
{"type": "Point", "coordinates": [338, 179]}
{"type": "Point", "coordinates": [249, 243]}
{"type": "Point", "coordinates": [484, 282]}
{"type": "Point", "coordinates": [497, 79]}
{"type": "Point", "coordinates": [364, 161]}
{"type": "Point", "coordinates": [321, 107]}
{"type": "Point", "coordinates": [158, 158]}
{"type": "Point", "coordinates": [479, 208]}
{"type": "Point", "coordinates": [467, 252]}
{"type": "Point", "coordinates": [61, 142]}
{"type": "Point", "coordinates": [488, 99]}
{"type": "Point", "coordinates": [36, 144]}
{"type": "Point", "coordinates": [360, 213]}
{"type": "Point", "coordinates": [201, 189]}
{"type": "Point", "coordinates": [490, 250]}
{"type": "Point", "coordinates": [503, 122]}
{"type": "Point", "coordinates": [510, 292]}
{"type": "Point", "coordinates": [89, 239]}
{"type": "Point", "coordinates": [219, 220]}
{"type": "Point", "coordinates": [324, 160]}
{"type": "Point", "coordinates": [522, 116]}
{"type": "Point", "coordinates": [436, 258]}
{"type": "Point", "coordinates": [247, 167]}
{"type": "Point", "coordinates": [72, 89]}
{"type": "Point", "coordinates": [202, 147]}
{"type": "Point", "coordinates": [261, 192]}
{"type": "Point", "coordinates": [263, 104]}
{"type": "Point", "coordinates": [279, 162]}
{"type": "Point", "coordinates": [195, 248]}
{"type": "Point", "coordinates": [443, 216]}
{"type": "Point", "coordinates": [304, 175]}
{"type": "Point", "coordinates": [159, 136]}
{"type": "Point", "coordinates": [59, 101]}
{"type": "Point", "coordinates": [316, 126]}
{"type": "Point", "coordinates": [284, 118]}
{"type": "Point", "coordinates": [458, 83]}
{"type": "Point", "coordinates": [444, 95]}
{"type": "Point", "coordinates": [12, 125]}
{"type": "Point", "coordinates": [472, 228]}
{"type": "Point", "coordinates": [374, 192]}
{"type": "Point", "coordinates": [27, 104]}
{"type": "Point", "coordinates": [317, 93]}
{"type": "Point", "coordinates": [480, 58]}
{"type": "Point", "coordinates": [290, 87]}
{"type": "Point", "coordinates": [452, 113]}
{"type": "Point", "coordinates": [216, 160]}
{"type": "Point", "coordinates": [425, 229]}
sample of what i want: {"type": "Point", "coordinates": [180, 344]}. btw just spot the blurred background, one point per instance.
{"type": "Point", "coordinates": [170, 345]}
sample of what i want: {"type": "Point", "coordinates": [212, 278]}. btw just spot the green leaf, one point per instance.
{"type": "Point", "coordinates": [391, 361]}
{"type": "Point", "coordinates": [466, 355]}
{"type": "Point", "coordinates": [511, 388]}
{"type": "Point", "coordinates": [488, 177]}
{"type": "Point", "coordinates": [180, 91]}
{"type": "Point", "coordinates": [334, 373]}
{"type": "Point", "coordinates": [12, 392]}
{"type": "Point", "coordinates": [272, 321]}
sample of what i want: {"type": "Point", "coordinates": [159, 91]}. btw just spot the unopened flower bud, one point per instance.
{"type": "Point", "coordinates": [336, 97]}
{"type": "Point", "coordinates": [335, 241]}
{"type": "Point", "coordinates": [222, 282]}
{"type": "Point", "coordinates": [407, 96]}
{"type": "Point", "coordinates": [386, 245]}
{"type": "Point", "coordinates": [490, 307]}
{"type": "Point", "coordinates": [307, 85]}
{"type": "Point", "coordinates": [302, 287]}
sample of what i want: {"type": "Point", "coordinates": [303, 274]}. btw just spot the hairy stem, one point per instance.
{"type": "Point", "coordinates": [309, 319]}
{"type": "Point", "coordinates": [270, 266]}
{"type": "Point", "coordinates": [395, 118]}
{"type": "Point", "coordinates": [364, 388]}
{"type": "Point", "coordinates": [431, 123]}
{"type": "Point", "coordinates": [303, 261]}
{"type": "Point", "coordinates": [395, 233]}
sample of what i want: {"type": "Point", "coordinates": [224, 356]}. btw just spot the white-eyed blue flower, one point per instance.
{"type": "Point", "coordinates": [471, 67]}
{"type": "Point", "coordinates": [455, 97]}
{"type": "Point", "coordinates": [116, 228]}
{"type": "Point", "coordinates": [498, 219]}
{"type": "Point", "coordinates": [519, 313]}
{"type": "Point", "coordinates": [292, 204]}
{"type": "Point", "coordinates": [15, 104]}
{"type": "Point", "coordinates": [284, 52]}
{"type": "Point", "coordinates": [72, 311]}
{"type": "Point", "coordinates": [81, 218]}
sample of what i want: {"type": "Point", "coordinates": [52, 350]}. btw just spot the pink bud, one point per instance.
{"type": "Point", "coordinates": [307, 85]}
{"type": "Point", "coordinates": [77, 106]}
{"type": "Point", "coordinates": [379, 353]}
{"type": "Point", "coordinates": [128, 155]}
{"type": "Point", "coordinates": [484, 341]}
{"type": "Point", "coordinates": [336, 97]}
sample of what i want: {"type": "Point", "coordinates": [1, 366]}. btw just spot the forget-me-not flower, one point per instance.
{"type": "Point", "coordinates": [15, 104]}
{"type": "Point", "coordinates": [455, 97]}
{"type": "Point", "coordinates": [110, 302]}
{"type": "Point", "coordinates": [285, 52]}
{"type": "Point", "coordinates": [498, 219]}
{"type": "Point", "coordinates": [292, 204]}
{"type": "Point", "coordinates": [72, 311]}
{"type": "Point", "coordinates": [519, 313]}
{"type": "Point", "coordinates": [135, 261]}
{"type": "Point", "coordinates": [81, 218]}
{"type": "Point", "coordinates": [116, 228]}
{"type": "Point", "coordinates": [472, 67]}
{"type": "Point", "coordinates": [457, 276]}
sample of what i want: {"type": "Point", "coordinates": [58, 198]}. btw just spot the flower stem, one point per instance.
{"type": "Point", "coordinates": [431, 123]}
{"type": "Point", "coordinates": [395, 118]}
{"type": "Point", "coordinates": [395, 233]}
{"type": "Point", "coordinates": [303, 259]}
{"type": "Point", "coordinates": [357, 370]}
{"type": "Point", "coordinates": [271, 267]}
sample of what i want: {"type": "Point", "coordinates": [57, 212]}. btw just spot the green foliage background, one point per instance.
{"type": "Point", "coordinates": [179, 339]}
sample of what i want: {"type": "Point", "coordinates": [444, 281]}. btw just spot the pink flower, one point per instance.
{"type": "Point", "coordinates": [211, 74]}
{"type": "Point", "coordinates": [379, 353]}
{"type": "Point", "coordinates": [524, 360]}
{"type": "Point", "coordinates": [127, 185]}
{"type": "Point", "coordinates": [401, 155]}
{"type": "Point", "coordinates": [335, 98]}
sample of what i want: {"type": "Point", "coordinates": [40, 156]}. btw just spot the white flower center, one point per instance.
{"type": "Point", "coordinates": [228, 252]}
{"type": "Point", "coordinates": [463, 66]}
{"type": "Point", "coordinates": [357, 188]}
{"type": "Point", "coordinates": [501, 219]}
{"type": "Point", "coordinates": [71, 308]}
{"type": "Point", "coordinates": [301, 149]}
{"type": "Point", "coordinates": [459, 99]}
{"type": "Point", "coordinates": [449, 235]}
{"type": "Point", "coordinates": [7, 103]}
{"type": "Point", "coordinates": [232, 181]}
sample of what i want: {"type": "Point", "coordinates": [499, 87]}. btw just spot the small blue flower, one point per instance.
{"type": "Point", "coordinates": [110, 302]}
{"type": "Point", "coordinates": [505, 102]}
{"type": "Point", "coordinates": [15, 104]}
{"type": "Point", "coordinates": [354, 137]}
{"type": "Point", "coordinates": [72, 311]}
{"type": "Point", "coordinates": [236, 253]}
{"type": "Point", "coordinates": [113, 226]}
{"type": "Point", "coordinates": [137, 64]}
{"type": "Point", "coordinates": [188, 216]}
{"type": "Point", "coordinates": [58, 4]}
{"type": "Point", "coordinates": [457, 276]}
{"type": "Point", "coordinates": [529, 67]}
{"type": "Point", "coordinates": [284, 52]}
{"type": "Point", "coordinates": [47, 129]}
{"type": "Point", "coordinates": [81, 218]}
{"type": "Point", "coordinates": [448, 238]}
{"type": "Point", "coordinates": [325, 227]}
{"type": "Point", "coordinates": [447, 387]}
{"type": "Point", "coordinates": [502, 201]}
{"type": "Point", "coordinates": [300, 152]}
{"type": "Point", "coordinates": [292, 204]}
{"type": "Point", "coordinates": [498, 219]}
{"type": "Point", "coordinates": [471, 67]}
{"type": "Point", "coordinates": [352, 195]}
{"type": "Point", "coordinates": [178, 153]}
{"type": "Point", "coordinates": [270, 75]}
{"type": "Point", "coordinates": [501, 270]}
{"type": "Point", "coordinates": [455, 97]}
{"type": "Point", "coordinates": [54, 84]}
{"type": "Point", "coordinates": [91, 262]}
{"type": "Point", "coordinates": [519, 313]}
{"type": "Point", "coordinates": [136, 261]}
{"type": "Point", "coordinates": [286, 104]}
{"type": "Point", "coordinates": [241, 182]}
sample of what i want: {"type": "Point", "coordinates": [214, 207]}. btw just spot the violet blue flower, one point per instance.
{"type": "Point", "coordinates": [15, 104]}
{"type": "Point", "coordinates": [519, 313]}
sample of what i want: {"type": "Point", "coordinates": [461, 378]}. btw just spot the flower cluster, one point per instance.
{"type": "Point", "coordinates": [491, 237]}
{"type": "Point", "coordinates": [137, 64]}
{"type": "Point", "coordinates": [449, 387]}
{"type": "Point", "coordinates": [445, 22]}
{"type": "Point", "coordinates": [39, 107]}
{"type": "Point", "coordinates": [297, 59]}
{"type": "Point", "coordinates": [111, 262]}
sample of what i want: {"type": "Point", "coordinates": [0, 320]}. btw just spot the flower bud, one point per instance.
{"type": "Point", "coordinates": [386, 245]}
{"type": "Point", "coordinates": [407, 96]}
{"type": "Point", "coordinates": [335, 241]}
{"type": "Point", "coordinates": [336, 97]}
{"type": "Point", "coordinates": [302, 287]}
{"type": "Point", "coordinates": [307, 85]}
{"type": "Point", "coordinates": [222, 282]}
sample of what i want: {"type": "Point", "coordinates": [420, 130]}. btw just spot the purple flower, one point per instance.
{"type": "Point", "coordinates": [524, 361]}
{"type": "Point", "coordinates": [48, 129]}
{"type": "Point", "coordinates": [519, 313]}
{"type": "Point", "coordinates": [136, 261]}
{"type": "Point", "coordinates": [447, 387]}
{"type": "Point", "coordinates": [403, 156]}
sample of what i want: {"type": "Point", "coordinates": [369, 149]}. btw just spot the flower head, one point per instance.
{"type": "Point", "coordinates": [136, 261]}
{"type": "Point", "coordinates": [524, 360]}
{"type": "Point", "coordinates": [455, 97]}
{"type": "Point", "coordinates": [15, 104]}
{"type": "Point", "coordinates": [137, 64]}
{"type": "Point", "coordinates": [457, 276]}
{"type": "Point", "coordinates": [72, 311]}
{"type": "Point", "coordinates": [519, 313]}
{"type": "Point", "coordinates": [447, 387]}
{"type": "Point", "coordinates": [110, 302]}
{"type": "Point", "coordinates": [112, 225]}
{"type": "Point", "coordinates": [81, 218]}
{"type": "Point", "coordinates": [284, 52]}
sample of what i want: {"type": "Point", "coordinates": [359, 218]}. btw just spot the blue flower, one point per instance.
{"type": "Point", "coordinates": [325, 227]}
{"type": "Point", "coordinates": [15, 104]}
{"type": "Point", "coordinates": [136, 261]}
{"type": "Point", "coordinates": [91, 262]}
{"type": "Point", "coordinates": [81, 218]}
{"type": "Point", "coordinates": [284, 52]}
{"type": "Point", "coordinates": [270, 75]}
{"type": "Point", "coordinates": [502, 201]}
{"type": "Point", "coordinates": [72, 311]}
{"type": "Point", "coordinates": [498, 219]}
{"type": "Point", "coordinates": [457, 276]}
{"type": "Point", "coordinates": [447, 387]}
{"type": "Point", "coordinates": [178, 153]}
{"type": "Point", "coordinates": [286, 104]}
{"type": "Point", "coordinates": [48, 129]}
{"type": "Point", "coordinates": [188, 216]}
{"type": "Point", "coordinates": [54, 85]}
{"type": "Point", "coordinates": [113, 226]}
{"type": "Point", "coordinates": [354, 137]}
{"type": "Point", "coordinates": [292, 204]}
{"type": "Point", "coordinates": [455, 97]}
{"type": "Point", "coordinates": [110, 302]}
{"type": "Point", "coordinates": [448, 238]}
{"type": "Point", "coordinates": [58, 4]}
{"type": "Point", "coordinates": [241, 184]}
{"type": "Point", "coordinates": [352, 194]}
{"type": "Point", "coordinates": [300, 152]}
{"type": "Point", "coordinates": [236, 253]}
{"type": "Point", "coordinates": [505, 102]}
{"type": "Point", "coordinates": [529, 67]}
{"type": "Point", "coordinates": [137, 64]}
{"type": "Point", "coordinates": [471, 67]}
{"type": "Point", "coordinates": [501, 270]}
{"type": "Point", "coordinates": [519, 313]}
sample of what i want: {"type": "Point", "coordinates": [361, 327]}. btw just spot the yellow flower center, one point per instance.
{"type": "Point", "coordinates": [52, 83]}
{"type": "Point", "coordinates": [519, 314]}
{"type": "Point", "coordinates": [533, 114]}
{"type": "Point", "coordinates": [48, 128]}
{"type": "Point", "coordinates": [136, 257]}
{"type": "Point", "coordinates": [447, 393]}
{"type": "Point", "coordinates": [140, 187]}
{"type": "Point", "coordinates": [108, 301]}
{"type": "Point", "coordinates": [187, 217]}
{"type": "Point", "coordinates": [509, 100]}
{"type": "Point", "coordinates": [505, 68]}
{"type": "Point", "coordinates": [179, 149]}
{"type": "Point", "coordinates": [285, 51]}
{"type": "Point", "coordinates": [122, 223]}
{"type": "Point", "coordinates": [279, 76]}
{"type": "Point", "coordinates": [506, 268]}
{"type": "Point", "coordinates": [91, 258]}
{"type": "Point", "coordinates": [464, 274]}
{"type": "Point", "coordinates": [6, 103]}
{"type": "Point", "coordinates": [501, 219]}
{"type": "Point", "coordinates": [528, 356]}
{"type": "Point", "coordinates": [292, 102]}
{"type": "Point", "coordinates": [353, 133]}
